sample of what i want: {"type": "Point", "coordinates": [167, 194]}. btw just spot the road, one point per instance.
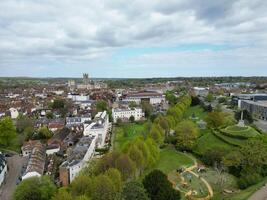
{"type": "Point", "coordinates": [15, 164]}
{"type": "Point", "coordinates": [261, 194]}
{"type": "Point", "coordinates": [261, 124]}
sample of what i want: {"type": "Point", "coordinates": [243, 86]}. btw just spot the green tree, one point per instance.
{"type": "Point", "coordinates": [35, 188]}
{"type": "Point", "coordinates": [126, 166]}
{"type": "Point", "coordinates": [81, 185]}
{"type": "Point", "coordinates": [44, 133]}
{"type": "Point", "coordinates": [115, 177]}
{"type": "Point", "coordinates": [219, 119]}
{"type": "Point", "coordinates": [132, 119]}
{"type": "Point", "coordinates": [186, 133]}
{"type": "Point", "coordinates": [157, 133]}
{"type": "Point", "coordinates": [101, 105]}
{"type": "Point", "coordinates": [147, 108]}
{"type": "Point", "coordinates": [7, 131]}
{"type": "Point", "coordinates": [209, 97]}
{"type": "Point", "coordinates": [103, 188]}
{"type": "Point", "coordinates": [24, 122]}
{"type": "Point", "coordinates": [158, 187]}
{"type": "Point", "coordinates": [58, 104]}
{"type": "Point", "coordinates": [134, 191]}
{"type": "Point", "coordinates": [62, 194]}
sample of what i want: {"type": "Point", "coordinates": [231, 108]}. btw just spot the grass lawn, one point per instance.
{"type": "Point", "coordinates": [126, 133]}
{"type": "Point", "coordinates": [198, 112]}
{"type": "Point", "coordinates": [208, 142]}
{"type": "Point", "coordinates": [244, 132]}
{"type": "Point", "coordinates": [230, 140]}
{"type": "Point", "coordinates": [170, 160]}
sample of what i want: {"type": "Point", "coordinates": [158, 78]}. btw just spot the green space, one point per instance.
{"type": "Point", "coordinates": [197, 111]}
{"type": "Point", "coordinates": [171, 159]}
{"type": "Point", "coordinates": [126, 133]}
{"type": "Point", "coordinates": [228, 139]}
{"type": "Point", "coordinates": [208, 142]}
{"type": "Point", "coordinates": [240, 132]}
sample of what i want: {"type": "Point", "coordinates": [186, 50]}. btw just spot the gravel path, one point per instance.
{"type": "Point", "coordinates": [261, 194]}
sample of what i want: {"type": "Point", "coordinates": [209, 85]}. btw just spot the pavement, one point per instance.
{"type": "Point", "coordinates": [15, 164]}
{"type": "Point", "coordinates": [261, 194]}
{"type": "Point", "coordinates": [261, 124]}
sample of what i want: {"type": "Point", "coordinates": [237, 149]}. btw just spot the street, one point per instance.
{"type": "Point", "coordinates": [15, 164]}
{"type": "Point", "coordinates": [261, 124]}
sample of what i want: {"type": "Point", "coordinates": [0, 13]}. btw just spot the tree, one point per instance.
{"type": "Point", "coordinates": [136, 156]}
{"type": "Point", "coordinates": [132, 119]}
{"type": "Point", "coordinates": [134, 191]}
{"type": "Point", "coordinates": [81, 185]}
{"type": "Point", "coordinates": [43, 133]}
{"type": "Point", "coordinates": [171, 98]}
{"type": "Point", "coordinates": [62, 194]}
{"type": "Point", "coordinates": [24, 122]}
{"type": "Point", "coordinates": [147, 108]}
{"type": "Point", "coordinates": [7, 131]}
{"type": "Point", "coordinates": [209, 97]}
{"type": "Point", "coordinates": [158, 187]}
{"type": "Point", "coordinates": [219, 119]}
{"type": "Point", "coordinates": [125, 165]}
{"type": "Point", "coordinates": [103, 188]}
{"type": "Point", "coordinates": [58, 104]}
{"type": "Point", "coordinates": [35, 188]}
{"type": "Point", "coordinates": [101, 105]}
{"type": "Point", "coordinates": [115, 177]}
{"type": "Point", "coordinates": [157, 133]}
{"type": "Point", "coordinates": [186, 133]}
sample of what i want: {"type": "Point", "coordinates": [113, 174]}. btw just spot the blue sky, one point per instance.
{"type": "Point", "coordinates": [66, 38]}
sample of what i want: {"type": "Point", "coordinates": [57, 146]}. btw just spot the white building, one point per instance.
{"type": "Point", "coordinates": [99, 128]}
{"type": "Point", "coordinates": [13, 113]}
{"type": "Point", "coordinates": [78, 97]}
{"type": "Point", "coordinates": [201, 91]}
{"type": "Point", "coordinates": [3, 168]}
{"type": "Point", "coordinates": [126, 113]}
{"type": "Point", "coordinates": [77, 160]}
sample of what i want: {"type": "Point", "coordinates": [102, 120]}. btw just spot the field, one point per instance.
{"type": "Point", "coordinates": [170, 160]}
{"type": "Point", "coordinates": [126, 133]}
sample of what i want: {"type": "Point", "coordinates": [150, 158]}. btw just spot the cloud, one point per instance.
{"type": "Point", "coordinates": [44, 33]}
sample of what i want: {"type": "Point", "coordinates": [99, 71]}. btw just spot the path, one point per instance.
{"type": "Point", "coordinates": [260, 194]}
{"type": "Point", "coordinates": [190, 170]}
{"type": "Point", "coordinates": [15, 164]}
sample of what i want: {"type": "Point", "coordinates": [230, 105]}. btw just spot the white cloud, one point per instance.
{"type": "Point", "coordinates": [68, 31]}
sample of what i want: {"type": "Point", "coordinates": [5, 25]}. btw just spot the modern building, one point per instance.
{"type": "Point", "coordinates": [125, 114]}
{"type": "Point", "coordinates": [99, 128]}
{"type": "Point", "coordinates": [144, 96]}
{"type": "Point", "coordinates": [36, 162]}
{"type": "Point", "coordinates": [3, 168]}
{"type": "Point", "coordinates": [237, 98]}
{"type": "Point", "coordinates": [77, 120]}
{"type": "Point", "coordinates": [256, 108]}
{"type": "Point", "coordinates": [77, 160]}
{"type": "Point", "coordinates": [78, 97]}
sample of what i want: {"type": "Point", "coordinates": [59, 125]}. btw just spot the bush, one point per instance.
{"type": "Point", "coordinates": [248, 179]}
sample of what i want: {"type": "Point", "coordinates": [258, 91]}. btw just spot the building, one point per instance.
{"type": "Point", "coordinates": [77, 120]}
{"type": "Point", "coordinates": [27, 147]}
{"type": "Point", "coordinates": [78, 97]}
{"type": "Point", "coordinates": [256, 108]}
{"type": "Point", "coordinates": [36, 162]}
{"type": "Point", "coordinates": [3, 168]}
{"type": "Point", "coordinates": [125, 114]}
{"type": "Point", "coordinates": [13, 113]}
{"type": "Point", "coordinates": [79, 157]}
{"type": "Point", "coordinates": [237, 98]}
{"type": "Point", "coordinates": [201, 91]}
{"type": "Point", "coordinates": [99, 127]}
{"type": "Point", "coordinates": [144, 96]}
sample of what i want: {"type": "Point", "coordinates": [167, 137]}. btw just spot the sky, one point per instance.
{"type": "Point", "coordinates": [133, 39]}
